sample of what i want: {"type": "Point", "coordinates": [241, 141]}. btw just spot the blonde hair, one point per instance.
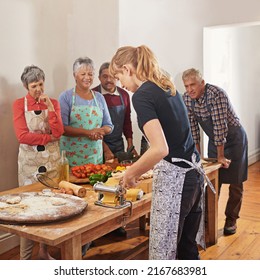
{"type": "Point", "coordinates": [192, 72]}
{"type": "Point", "coordinates": [145, 64]}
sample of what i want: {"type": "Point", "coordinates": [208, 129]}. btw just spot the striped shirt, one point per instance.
{"type": "Point", "coordinates": [222, 113]}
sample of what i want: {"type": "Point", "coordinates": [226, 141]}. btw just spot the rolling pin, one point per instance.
{"type": "Point", "coordinates": [77, 190]}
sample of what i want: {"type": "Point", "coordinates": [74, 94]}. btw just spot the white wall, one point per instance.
{"type": "Point", "coordinates": [231, 60]}
{"type": "Point", "coordinates": [174, 31]}
{"type": "Point", "coordinates": [50, 34]}
{"type": "Point", "coordinates": [53, 33]}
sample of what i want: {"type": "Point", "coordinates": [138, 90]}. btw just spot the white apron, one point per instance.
{"type": "Point", "coordinates": [39, 158]}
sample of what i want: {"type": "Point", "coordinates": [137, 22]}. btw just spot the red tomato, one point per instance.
{"type": "Point", "coordinates": [98, 167]}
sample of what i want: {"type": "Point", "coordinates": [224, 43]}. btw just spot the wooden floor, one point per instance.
{"type": "Point", "coordinates": [244, 245]}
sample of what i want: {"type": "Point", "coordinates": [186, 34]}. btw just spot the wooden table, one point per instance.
{"type": "Point", "coordinates": [97, 221]}
{"type": "Point", "coordinates": [71, 234]}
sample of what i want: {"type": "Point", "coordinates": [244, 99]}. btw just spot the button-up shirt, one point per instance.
{"type": "Point", "coordinates": [21, 130]}
{"type": "Point", "coordinates": [221, 112]}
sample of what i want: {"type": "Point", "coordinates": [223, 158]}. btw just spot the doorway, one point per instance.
{"type": "Point", "coordinates": [231, 56]}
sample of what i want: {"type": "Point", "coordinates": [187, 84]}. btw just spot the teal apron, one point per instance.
{"type": "Point", "coordinates": [82, 150]}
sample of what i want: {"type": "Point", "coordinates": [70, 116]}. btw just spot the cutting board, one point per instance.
{"type": "Point", "coordinates": [75, 180]}
{"type": "Point", "coordinates": [39, 207]}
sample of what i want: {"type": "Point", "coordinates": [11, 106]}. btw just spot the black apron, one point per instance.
{"type": "Point", "coordinates": [235, 149]}
{"type": "Point", "coordinates": [115, 140]}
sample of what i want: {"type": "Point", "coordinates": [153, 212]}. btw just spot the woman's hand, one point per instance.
{"type": "Point", "coordinates": [45, 98]}
{"type": "Point", "coordinates": [53, 139]}
{"type": "Point", "coordinates": [127, 181]}
{"type": "Point", "coordinates": [96, 134]}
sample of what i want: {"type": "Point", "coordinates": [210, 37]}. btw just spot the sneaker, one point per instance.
{"type": "Point", "coordinates": [230, 227]}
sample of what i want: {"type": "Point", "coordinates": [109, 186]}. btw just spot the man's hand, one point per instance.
{"type": "Point", "coordinates": [221, 158]}
{"type": "Point", "coordinates": [108, 155]}
{"type": "Point", "coordinates": [224, 161]}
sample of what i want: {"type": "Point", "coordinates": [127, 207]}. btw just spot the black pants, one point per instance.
{"type": "Point", "coordinates": [190, 216]}
{"type": "Point", "coordinates": [234, 202]}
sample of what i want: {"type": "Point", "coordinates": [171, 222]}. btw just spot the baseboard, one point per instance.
{"type": "Point", "coordinates": [254, 157]}
{"type": "Point", "coordinates": [8, 241]}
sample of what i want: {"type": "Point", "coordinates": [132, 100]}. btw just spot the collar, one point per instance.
{"type": "Point", "coordinates": [31, 100]}
{"type": "Point", "coordinates": [103, 91]}
{"type": "Point", "coordinates": [201, 100]}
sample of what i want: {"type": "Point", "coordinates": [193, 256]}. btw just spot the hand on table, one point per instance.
{"type": "Point", "coordinates": [224, 161]}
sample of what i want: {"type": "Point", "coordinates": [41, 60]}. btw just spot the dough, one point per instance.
{"type": "Point", "coordinates": [56, 201]}
{"type": "Point", "coordinates": [14, 200]}
{"type": "Point", "coordinates": [46, 192]}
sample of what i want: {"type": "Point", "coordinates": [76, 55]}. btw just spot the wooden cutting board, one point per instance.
{"type": "Point", "coordinates": [39, 207]}
{"type": "Point", "coordinates": [74, 179]}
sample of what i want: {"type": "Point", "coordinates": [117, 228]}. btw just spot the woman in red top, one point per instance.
{"type": "Point", "coordinates": [38, 127]}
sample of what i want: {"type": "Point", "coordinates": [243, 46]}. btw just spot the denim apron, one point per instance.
{"type": "Point", "coordinates": [168, 181]}
{"type": "Point", "coordinates": [115, 140]}
{"type": "Point", "coordinates": [235, 149]}
{"type": "Point", "coordinates": [82, 150]}
{"type": "Point", "coordinates": [34, 159]}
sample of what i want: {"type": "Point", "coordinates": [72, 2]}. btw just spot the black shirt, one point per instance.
{"type": "Point", "coordinates": [152, 102]}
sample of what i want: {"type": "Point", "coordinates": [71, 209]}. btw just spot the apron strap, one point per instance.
{"type": "Point", "coordinates": [74, 96]}
{"type": "Point", "coordinates": [25, 104]}
{"type": "Point", "coordinates": [198, 167]}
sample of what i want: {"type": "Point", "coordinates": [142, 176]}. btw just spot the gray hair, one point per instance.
{"type": "Point", "coordinates": [83, 61]}
{"type": "Point", "coordinates": [105, 65]}
{"type": "Point", "coordinates": [192, 72]}
{"type": "Point", "coordinates": [32, 74]}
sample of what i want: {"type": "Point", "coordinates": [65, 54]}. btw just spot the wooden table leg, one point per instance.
{"type": "Point", "coordinates": [72, 249]}
{"type": "Point", "coordinates": [142, 222]}
{"type": "Point", "coordinates": [212, 204]}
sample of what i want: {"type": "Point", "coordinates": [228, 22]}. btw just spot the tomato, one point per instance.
{"type": "Point", "coordinates": [98, 167]}
{"type": "Point", "coordinates": [103, 172]}
{"type": "Point", "coordinates": [74, 168]}
{"type": "Point", "coordinates": [86, 170]}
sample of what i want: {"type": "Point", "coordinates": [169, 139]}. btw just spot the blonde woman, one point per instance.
{"type": "Point", "coordinates": [177, 185]}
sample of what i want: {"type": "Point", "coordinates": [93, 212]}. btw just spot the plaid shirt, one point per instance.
{"type": "Point", "coordinates": [222, 113]}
